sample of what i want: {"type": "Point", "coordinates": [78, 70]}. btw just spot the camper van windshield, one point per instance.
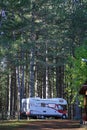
{"type": "Point", "coordinates": [62, 107]}
{"type": "Point", "coordinates": [25, 106]}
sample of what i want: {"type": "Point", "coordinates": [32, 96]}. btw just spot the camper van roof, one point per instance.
{"type": "Point", "coordinates": [48, 100]}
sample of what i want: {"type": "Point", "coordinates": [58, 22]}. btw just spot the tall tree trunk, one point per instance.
{"type": "Point", "coordinates": [12, 96]}
{"type": "Point", "coordinates": [47, 86]}
{"type": "Point", "coordinates": [26, 94]}
{"type": "Point", "coordinates": [60, 81]}
{"type": "Point", "coordinates": [19, 89]}
{"type": "Point", "coordinates": [22, 79]}
{"type": "Point", "coordinates": [36, 82]}
{"type": "Point", "coordinates": [9, 95]}
{"type": "Point", "coordinates": [44, 84]}
{"type": "Point", "coordinates": [33, 38]}
{"type": "Point", "coordinates": [31, 83]}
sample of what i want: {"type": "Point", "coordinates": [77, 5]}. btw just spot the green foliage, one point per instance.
{"type": "Point", "coordinates": [76, 72]}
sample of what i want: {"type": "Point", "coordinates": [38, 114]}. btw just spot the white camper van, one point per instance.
{"type": "Point", "coordinates": [42, 108]}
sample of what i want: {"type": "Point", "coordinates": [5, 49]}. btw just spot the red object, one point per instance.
{"type": "Point", "coordinates": [27, 113]}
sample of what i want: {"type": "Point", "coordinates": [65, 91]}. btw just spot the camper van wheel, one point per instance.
{"type": "Point", "coordinates": [64, 116]}
{"type": "Point", "coordinates": [40, 117]}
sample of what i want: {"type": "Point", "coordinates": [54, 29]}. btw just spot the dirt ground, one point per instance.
{"type": "Point", "coordinates": [53, 125]}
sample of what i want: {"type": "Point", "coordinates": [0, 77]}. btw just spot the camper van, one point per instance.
{"type": "Point", "coordinates": [42, 108]}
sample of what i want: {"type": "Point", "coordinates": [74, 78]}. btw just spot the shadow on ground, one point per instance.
{"type": "Point", "coordinates": [50, 125]}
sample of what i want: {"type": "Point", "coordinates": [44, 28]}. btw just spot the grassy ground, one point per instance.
{"type": "Point", "coordinates": [40, 125]}
{"type": "Point", "coordinates": [11, 125]}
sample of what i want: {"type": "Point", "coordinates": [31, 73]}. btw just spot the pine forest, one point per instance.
{"type": "Point", "coordinates": [42, 43]}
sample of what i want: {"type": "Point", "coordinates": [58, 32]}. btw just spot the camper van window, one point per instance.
{"type": "Point", "coordinates": [60, 107]}
{"type": "Point", "coordinates": [25, 106]}
{"type": "Point", "coordinates": [42, 104]}
{"type": "Point", "coordinates": [64, 107]}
